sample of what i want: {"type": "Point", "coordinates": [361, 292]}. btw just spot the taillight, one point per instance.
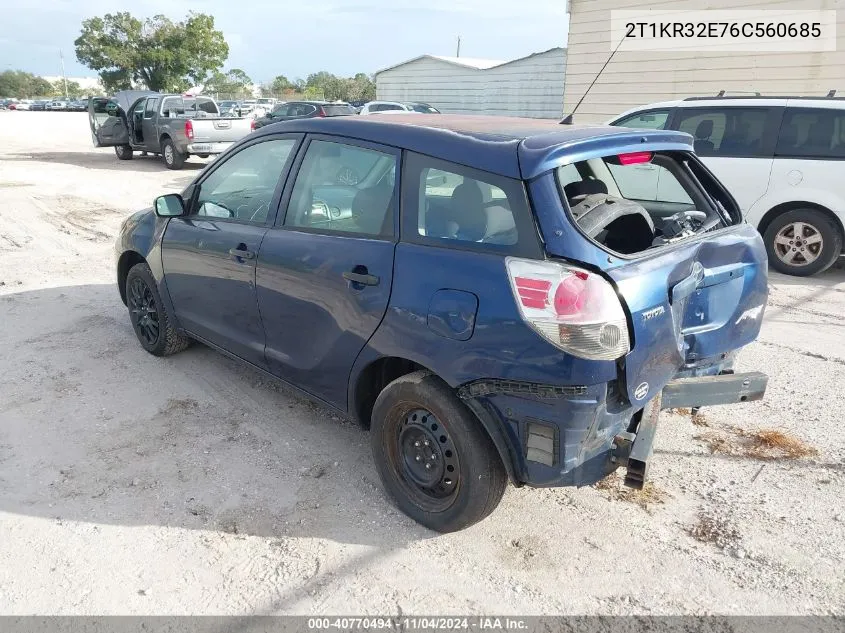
{"type": "Point", "coordinates": [189, 130]}
{"type": "Point", "coordinates": [252, 125]}
{"type": "Point", "coordinates": [321, 113]}
{"type": "Point", "coordinates": [574, 309]}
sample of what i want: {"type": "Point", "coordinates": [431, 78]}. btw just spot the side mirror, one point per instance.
{"type": "Point", "coordinates": [170, 206]}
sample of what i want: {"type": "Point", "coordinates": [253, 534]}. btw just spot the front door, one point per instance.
{"type": "Point", "coordinates": [209, 255]}
{"type": "Point", "coordinates": [149, 136]}
{"type": "Point", "coordinates": [325, 271]}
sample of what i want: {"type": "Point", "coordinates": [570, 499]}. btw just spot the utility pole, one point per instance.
{"type": "Point", "coordinates": [458, 53]}
{"type": "Point", "coordinates": [64, 78]}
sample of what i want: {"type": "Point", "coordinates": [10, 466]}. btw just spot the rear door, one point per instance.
{"type": "Point", "coordinates": [737, 143]}
{"type": "Point", "coordinates": [325, 271]}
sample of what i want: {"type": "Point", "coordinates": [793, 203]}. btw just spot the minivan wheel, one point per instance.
{"type": "Point", "coordinates": [150, 319]}
{"type": "Point", "coordinates": [124, 152]}
{"type": "Point", "coordinates": [802, 242]}
{"type": "Point", "coordinates": [432, 455]}
{"type": "Point", "coordinates": [172, 157]}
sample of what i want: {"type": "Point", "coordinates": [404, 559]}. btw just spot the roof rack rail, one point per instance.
{"type": "Point", "coordinates": [831, 94]}
{"type": "Point", "coordinates": [754, 94]}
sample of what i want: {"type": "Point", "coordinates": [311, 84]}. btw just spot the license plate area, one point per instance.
{"type": "Point", "coordinates": [201, 147]}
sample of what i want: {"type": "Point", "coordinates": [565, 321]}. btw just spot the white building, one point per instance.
{"type": "Point", "coordinates": [530, 86]}
{"type": "Point", "coordinates": [634, 78]}
{"type": "Point", "coordinates": [86, 83]}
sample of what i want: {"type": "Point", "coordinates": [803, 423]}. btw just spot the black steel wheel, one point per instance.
{"type": "Point", "coordinates": [150, 319]}
{"type": "Point", "coordinates": [143, 311]}
{"type": "Point", "coordinates": [433, 456]}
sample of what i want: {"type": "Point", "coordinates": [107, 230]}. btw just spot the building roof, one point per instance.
{"type": "Point", "coordinates": [509, 146]}
{"type": "Point", "coordinates": [467, 62]}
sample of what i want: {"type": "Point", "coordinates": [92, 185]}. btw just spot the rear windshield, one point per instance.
{"type": "Point", "coordinates": [338, 110]}
{"type": "Point", "coordinates": [424, 108]}
{"type": "Point", "coordinates": [630, 203]}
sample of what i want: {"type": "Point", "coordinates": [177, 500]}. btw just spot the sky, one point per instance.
{"type": "Point", "coordinates": [297, 37]}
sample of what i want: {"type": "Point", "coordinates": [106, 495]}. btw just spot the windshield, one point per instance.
{"type": "Point", "coordinates": [424, 108]}
{"type": "Point", "coordinates": [632, 202]}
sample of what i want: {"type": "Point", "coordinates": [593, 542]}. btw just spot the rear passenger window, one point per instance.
{"type": "Point", "coordinates": [344, 188]}
{"type": "Point", "coordinates": [465, 205]}
{"type": "Point", "coordinates": [729, 131]}
{"type": "Point", "coordinates": [816, 133]}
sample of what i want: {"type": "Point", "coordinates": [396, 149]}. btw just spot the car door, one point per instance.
{"type": "Point", "coordinates": [735, 142]}
{"type": "Point", "coordinates": [209, 255]}
{"type": "Point", "coordinates": [148, 125]}
{"type": "Point", "coordinates": [325, 271]}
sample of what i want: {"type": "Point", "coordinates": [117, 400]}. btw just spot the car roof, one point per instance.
{"type": "Point", "coordinates": [509, 146]}
{"type": "Point", "coordinates": [834, 103]}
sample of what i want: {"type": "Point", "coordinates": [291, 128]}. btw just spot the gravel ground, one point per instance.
{"type": "Point", "coordinates": [192, 485]}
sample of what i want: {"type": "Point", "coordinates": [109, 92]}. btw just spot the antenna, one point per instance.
{"type": "Point", "coordinates": [567, 120]}
{"type": "Point", "coordinates": [458, 52]}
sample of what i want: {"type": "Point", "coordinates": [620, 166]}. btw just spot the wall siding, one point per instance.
{"type": "Point", "coordinates": [637, 78]}
{"type": "Point", "coordinates": [530, 87]}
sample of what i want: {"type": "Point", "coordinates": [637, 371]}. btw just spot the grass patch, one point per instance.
{"type": "Point", "coordinates": [766, 444]}
{"type": "Point", "coordinates": [615, 490]}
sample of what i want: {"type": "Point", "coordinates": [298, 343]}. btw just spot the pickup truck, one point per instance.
{"type": "Point", "coordinates": [172, 125]}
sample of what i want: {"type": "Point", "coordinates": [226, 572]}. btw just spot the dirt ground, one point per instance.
{"type": "Point", "coordinates": [192, 485]}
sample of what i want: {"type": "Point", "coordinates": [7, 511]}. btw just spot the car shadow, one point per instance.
{"type": "Point", "coordinates": [94, 429]}
{"type": "Point", "coordinates": [833, 276]}
{"type": "Point", "coordinates": [104, 159]}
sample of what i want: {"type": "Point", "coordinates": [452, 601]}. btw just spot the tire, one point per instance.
{"type": "Point", "coordinates": [147, 313]}
{"type": "Point", "coordinates": [172, 157]}
{"type": "Point", "coordinates": [820, 240]}
{"type": "Point", "coordinates": [467, 478]}
{"type": "Point", "coordinates": [124, 152]}
{"type": "Point", "coordinates": [203, 155]}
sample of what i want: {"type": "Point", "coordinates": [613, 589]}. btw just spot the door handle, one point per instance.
{"type": "Point", "coordinates": [361, 278]}
{"type": "Point", "coordinates": [239, 253]}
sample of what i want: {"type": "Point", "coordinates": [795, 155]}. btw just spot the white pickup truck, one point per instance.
{"type": "Point", "coordinates": [174, 126]}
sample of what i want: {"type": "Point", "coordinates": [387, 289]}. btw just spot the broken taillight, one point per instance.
{"type": "Point", "coordinates": [189, 130]}
{"type": "Point", "coordinates": [574, 309]}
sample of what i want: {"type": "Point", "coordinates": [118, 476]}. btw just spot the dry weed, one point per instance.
{"type": "Point", "coordinates": [761, 444]}
{"type": "Point", "coordinates": [616, 491]}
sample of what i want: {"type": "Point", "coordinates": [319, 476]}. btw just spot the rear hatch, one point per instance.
{"type": "Point", "coordinates": [691, 275]}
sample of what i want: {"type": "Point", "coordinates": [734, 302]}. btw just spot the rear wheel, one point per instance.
{"type": "Point", "coordinates": [124, 152]}
{"type": "Point", "coordinates": [151, 321]}
{"type": "Point", "coordinates": [173, 158]}
{"type": "Point", "coordinates": [203, 155]}
{"type": "Point", "coordinates": [432, 455]}
{"type": "Point", "coordinates": [802, 242]}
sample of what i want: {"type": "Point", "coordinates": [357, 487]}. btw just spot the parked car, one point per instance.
{"type": "Point", "coordinates": [383, 106]}
{"type": "Point", "coordinates": [228, 108]}
{"type": "Point", "coordinates": [23, 104]}
{"type": "Point", "coordinates": [58, 105]}
{"type": "Point", "coordinates": [304, 110]}
{"type": "Point", "coordinates": [521, 320]}
{"type": "Point", "coordinates": [174, 126]}
{"type": "Point", "coordinates": [78, 106]}
{"type": "Point", "coordinates": [781, 157]}
{"type": "Point", "coordinates": [423, 108]}
{"type": "Point", "coordinates": [38, 106]}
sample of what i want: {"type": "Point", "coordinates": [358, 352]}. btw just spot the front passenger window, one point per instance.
{"type": "Point", "coordinates": [242, 187]}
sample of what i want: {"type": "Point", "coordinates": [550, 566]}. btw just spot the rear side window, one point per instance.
{"type": "Point", "coordinates": [731, 131]}
{"type": "Point", "coordinates": [463, 206]}
{"type": "Point", "coordinates": [651, 120]}
{"type": "Point", "coordinates": [812, 133]}
{"type": "Point", "coordinates": [338, 110]}
{"type": "Point", "coordinates": [149, 111]}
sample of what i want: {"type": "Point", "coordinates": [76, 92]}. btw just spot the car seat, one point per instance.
{"type": "Point", "coordinates": [702, 137]}
{"type": "Point", "coordinates": [468, 212]}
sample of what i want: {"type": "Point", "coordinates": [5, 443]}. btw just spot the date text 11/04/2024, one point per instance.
{"type": "Point", "coordinates": [419, 623]}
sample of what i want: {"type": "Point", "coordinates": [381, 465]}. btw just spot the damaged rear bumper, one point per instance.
{"type": "Point", "coordinates": [576, 435]}
{"type": "Point", "coordinates": [633, 450]}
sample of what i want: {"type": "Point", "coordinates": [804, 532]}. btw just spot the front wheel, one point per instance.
{"type": "Point", "coordinates": [150, 319]}
{"type": "Point", "coordinates": [173, 158]}
{"type": "Point", "coordinates": [802, 242]}
{"type": "Point", "coordinates": [432, 455]}
{"type": "Point", "coordinates": [124, 152]}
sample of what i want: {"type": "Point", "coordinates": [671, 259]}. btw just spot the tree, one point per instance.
{"type": "Point", "coordinates": [281, 85]}
{"type": "Point", "coordinates": [161, 54]}
{"type": "Point", "coordinates": [20, 85]}
{"type": "Point", "coordinates": [74, 90]}
{"type": "Point", "coordinates": [234, 83]}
